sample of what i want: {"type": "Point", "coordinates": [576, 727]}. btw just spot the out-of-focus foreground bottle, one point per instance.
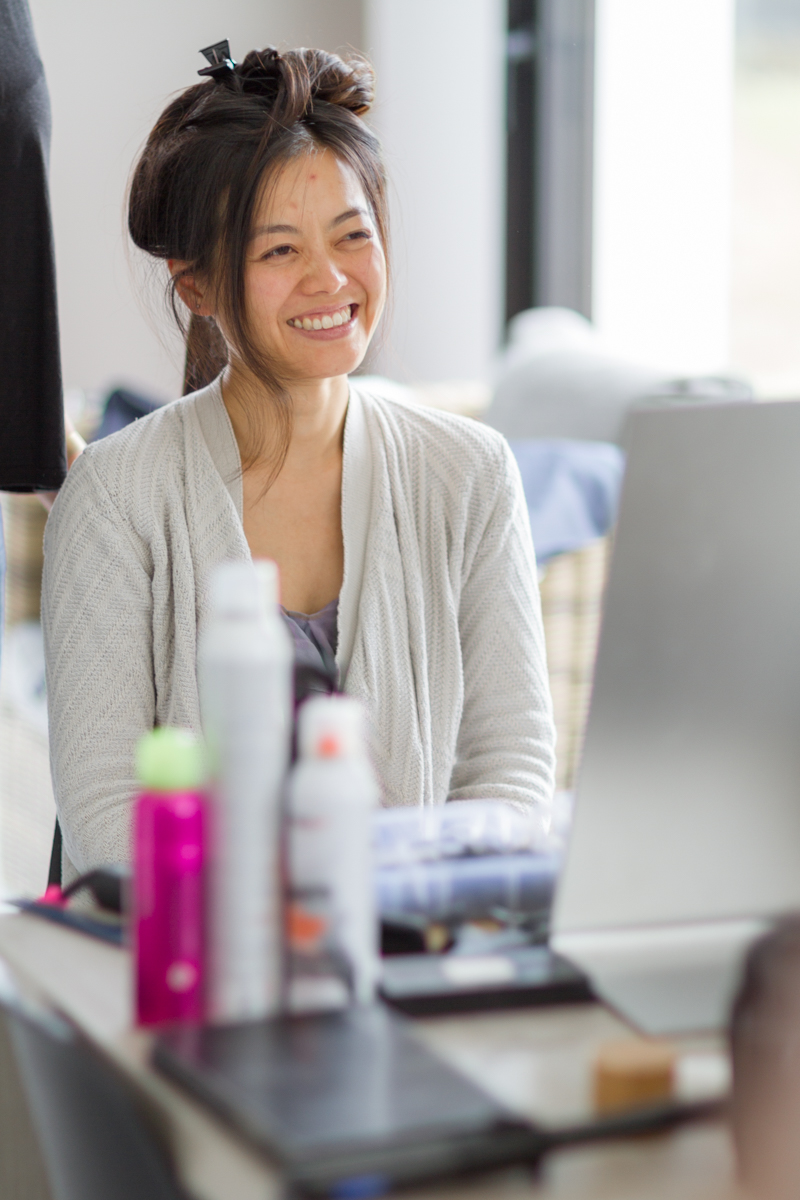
{"type": "Point", "coordinates": [331, 921]}
{"type": "Point", "coordinates": [168, 890]}
{"type": "Point", "coordinates": [245, 660]}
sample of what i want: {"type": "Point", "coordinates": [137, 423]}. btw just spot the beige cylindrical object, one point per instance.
{"type": "Point", "coordinates": [24, 520]}
{"type": "Point", "coordinates": [75, 445]}
{"type": "Point", "coordinates": [631, 1073]}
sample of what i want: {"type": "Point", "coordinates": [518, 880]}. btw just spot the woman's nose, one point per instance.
{"type": "Point", "coordinates": [324, 274]}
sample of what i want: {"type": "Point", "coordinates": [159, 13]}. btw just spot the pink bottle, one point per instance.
{"type": "Point", "coordinates": [168, 892]}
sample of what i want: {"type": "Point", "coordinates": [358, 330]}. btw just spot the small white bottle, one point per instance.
{"type": "Point", "coordinates": [332, 793]}
{"type": "Point", "coordinates": [245, 660]}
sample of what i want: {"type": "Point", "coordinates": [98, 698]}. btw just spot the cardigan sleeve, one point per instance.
{"type": "Point", "coordinates": [506, 743]}
{"type": "Point", "coordinates": [97, 622]}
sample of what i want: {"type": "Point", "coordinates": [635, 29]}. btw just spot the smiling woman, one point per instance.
{"type": "Point", "coordinates": [401, 534]}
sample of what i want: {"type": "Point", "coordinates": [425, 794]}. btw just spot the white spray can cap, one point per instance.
{"type": "Point", "coordinates": [244, 589]}
{"type": "Point", "coordinates": [331, 727]}
{"type": "Point", "coordinates": [269, 581]}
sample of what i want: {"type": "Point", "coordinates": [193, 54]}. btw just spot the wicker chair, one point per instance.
{"type": "Point", "coordinates": [572, 594]}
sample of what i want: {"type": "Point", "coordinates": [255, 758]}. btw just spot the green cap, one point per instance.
{"type": "Point", "coordinates": [171, 760]}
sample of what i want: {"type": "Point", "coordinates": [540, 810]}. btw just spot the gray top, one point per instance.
{"type": "Point", "coordinates": [315, 636]}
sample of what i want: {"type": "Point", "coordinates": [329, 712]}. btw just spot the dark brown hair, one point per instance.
{"type": "Point", "coordinates": [198, 180]}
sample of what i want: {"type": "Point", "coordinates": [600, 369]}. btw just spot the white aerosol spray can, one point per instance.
{"type": "Point", "coordinates": [245, 660]}
{"type": "Point", "coordinates": [332, 920]}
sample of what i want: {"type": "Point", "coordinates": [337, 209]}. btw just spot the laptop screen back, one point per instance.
{"type": "Point", "coordinates": [688, 800]}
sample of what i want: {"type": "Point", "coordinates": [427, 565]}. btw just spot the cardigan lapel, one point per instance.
{"type": "Point", "coordinates": [385, 671]}
{"type": "Point", "coordinates": [220, 440]}
{"type": "Point", "coordinates": [357, 502]}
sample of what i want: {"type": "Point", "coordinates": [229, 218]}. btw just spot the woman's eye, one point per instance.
{"type": "Point", "coordinates": [278, 252]}
{"type": "Point", "coordinates": [359, 235]}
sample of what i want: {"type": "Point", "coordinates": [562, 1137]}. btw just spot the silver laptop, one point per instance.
{"type": "Point", "coordinates": [686, 835]}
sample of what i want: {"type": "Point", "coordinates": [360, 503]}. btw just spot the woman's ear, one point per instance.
{"type": "Point", "coordinates": [189, 288]}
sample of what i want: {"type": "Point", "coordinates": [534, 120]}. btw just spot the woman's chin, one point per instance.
{"type": "Point", "coordinates": [329, 362]}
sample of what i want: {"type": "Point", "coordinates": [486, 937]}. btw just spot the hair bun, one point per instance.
{"type": "Point", "coordinates": [349, 85]}
{"type": "Point", "coordinates": [293, 82]}
{"type": "Point", "coordinates": [260, 73]}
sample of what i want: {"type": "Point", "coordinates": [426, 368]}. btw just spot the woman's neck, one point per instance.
{"type": "Point", "coordinates": [318, 410]}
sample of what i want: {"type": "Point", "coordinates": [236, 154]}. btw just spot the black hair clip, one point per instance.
{"type": "Point", "coordinates": [219, 56]}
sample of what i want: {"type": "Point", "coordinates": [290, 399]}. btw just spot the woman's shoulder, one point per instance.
{"type": "Point", "coordinates": [150, 436]}
{"type": "Point", "coordinates": [460, 438]}
{"type": "Point", "coordinates": [125, 469]}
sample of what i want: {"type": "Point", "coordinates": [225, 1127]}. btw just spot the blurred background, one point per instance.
{"type": "Point", "coordinates": [594, 202]}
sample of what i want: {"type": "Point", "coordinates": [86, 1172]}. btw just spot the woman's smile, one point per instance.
{"type": "Point", "coordinates": [327, 323]}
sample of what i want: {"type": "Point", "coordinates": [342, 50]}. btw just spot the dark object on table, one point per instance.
{"type": "Point", "coordinates": [107, 886]}
{"type": "Point", "coordinates": [94, 1140]}
{"type": "Point", "coordinates": [403, 937]}
{"type": "Point", "coordinates": [350, 1103]}
{"type": "Point", "coordinates": [765, 1049]}
{"type": "Point", "coordinates": [106, 931]}
{"type": "Point", "coordinates": [422, 984]}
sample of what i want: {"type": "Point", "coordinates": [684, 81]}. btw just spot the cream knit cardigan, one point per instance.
{"type": "Point", "coordinates": [440, 630]}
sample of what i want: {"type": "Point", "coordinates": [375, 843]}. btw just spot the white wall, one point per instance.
{"type": "Point", "coordinates": [440, 113]}
{"type": "Point", "coordinates": [110, 67]}
{"type": "Point", "coordinates": [663, 128]}
{"type": "Point", "coordinates": [662, 174]}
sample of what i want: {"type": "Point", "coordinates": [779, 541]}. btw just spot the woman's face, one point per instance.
{"type": "Point", "coordinates": [315, 274]}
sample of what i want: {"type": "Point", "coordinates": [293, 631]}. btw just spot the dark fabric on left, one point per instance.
{"type": "Point", "coordinates": [2, 574]}
{"type": "Point", "coordinates": [31, 410]}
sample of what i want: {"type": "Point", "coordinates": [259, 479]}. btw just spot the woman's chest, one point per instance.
{"type": "Point", "coordinates": [297, 523]}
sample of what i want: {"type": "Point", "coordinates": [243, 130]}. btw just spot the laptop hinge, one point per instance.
{"type": "Point", "coordinates": [665, 978]}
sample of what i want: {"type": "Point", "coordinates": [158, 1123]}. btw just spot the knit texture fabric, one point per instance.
{"type": "Point", "coordinates": [440, 631]}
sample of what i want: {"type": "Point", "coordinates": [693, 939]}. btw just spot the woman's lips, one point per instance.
{"type": "Point", "coordinates": [323, 325]}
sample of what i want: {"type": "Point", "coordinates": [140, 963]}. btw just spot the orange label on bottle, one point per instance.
{"type": "Point", "coordinates": [304, 930]}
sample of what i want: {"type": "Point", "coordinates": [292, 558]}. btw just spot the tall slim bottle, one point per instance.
{"type": "Point", "coordinates": [245, 660]}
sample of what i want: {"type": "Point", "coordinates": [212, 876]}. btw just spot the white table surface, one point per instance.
{"type": "Point", "coordinates": [536, 1060]}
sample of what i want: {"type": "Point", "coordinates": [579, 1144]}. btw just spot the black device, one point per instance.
{"type": "Point", "coordinates": [421, 984]}
{"type": "Point", "coordinates": [348, 1103]}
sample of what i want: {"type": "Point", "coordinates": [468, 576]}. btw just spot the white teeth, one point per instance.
{"type": "Point", "coordinates": [327, 322]}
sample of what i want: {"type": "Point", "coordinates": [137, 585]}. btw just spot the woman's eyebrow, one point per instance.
{"type": "Point", "coordinates": [263, 229]}
{"type": "Point", "coordinates": [346, 216]}
{"type": "Point", "coordinates": [340, 220]}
